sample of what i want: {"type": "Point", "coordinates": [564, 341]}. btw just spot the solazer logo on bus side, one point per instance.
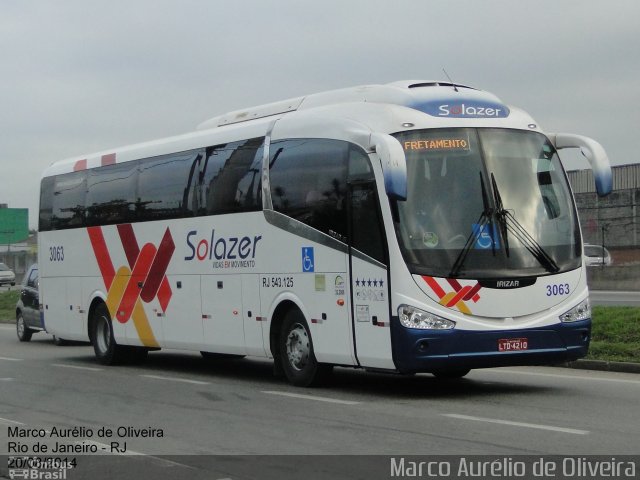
{"type": "Point", "coordinates": [225, 252]}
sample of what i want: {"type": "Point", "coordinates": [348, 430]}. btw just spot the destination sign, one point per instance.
{"type": "Point", "coordinates": [436, 144]}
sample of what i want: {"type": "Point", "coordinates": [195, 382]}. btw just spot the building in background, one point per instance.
{"type": "Point", "coordinates": [611, 220]}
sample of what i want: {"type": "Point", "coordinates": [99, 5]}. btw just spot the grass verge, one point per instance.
{"type": "Point", "coordinates": [615, 334]}
{"type": "Point", "coordinates": [8, 305]}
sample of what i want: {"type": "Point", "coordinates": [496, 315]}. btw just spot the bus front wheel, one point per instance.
{"type": "Point", "coordinates": [296, 352]}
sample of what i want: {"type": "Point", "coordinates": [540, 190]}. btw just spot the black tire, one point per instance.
{"type": "Point", "coordinates": [107, 351]}
{"type": "Point", "coordinates": [24, 333]}
{"type": "Point", "coordinates": [451, 374]}
{"type": "Point", "coordinates": [296, 352]}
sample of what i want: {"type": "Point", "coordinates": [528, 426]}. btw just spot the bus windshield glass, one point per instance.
{"type": "Point", "coordinates": [485, 203]}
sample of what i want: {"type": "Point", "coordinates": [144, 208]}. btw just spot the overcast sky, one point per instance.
{"type": "Point", "coordinates": [80, 76]}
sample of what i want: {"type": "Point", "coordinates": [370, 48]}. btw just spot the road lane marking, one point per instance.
{"type": "Point", "coordinates": [311, 397]}
{"type": "Point", "coordinates": [6, 421]}
{"type": "Point", "coordinates": [6, 379]}
{"type": "Point", "coordinates": [175, 379]}
{"type": "Point", "coordinates": [564, 377]}
{"type": "Point", "coordinates": [64, 365]}
{"type": "Point", "coordinates": [9, 359]}
{"type": "Point", "coordinates": [517, 424]}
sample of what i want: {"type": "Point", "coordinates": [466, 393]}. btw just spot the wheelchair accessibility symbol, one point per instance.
{"type": "Point", "coordinates": [485, 238]}
{"type": "Point", "coordinates": [307, 259]}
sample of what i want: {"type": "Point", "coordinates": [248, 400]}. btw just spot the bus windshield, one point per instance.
{"type": "Point", "coordinates": [485, 203]}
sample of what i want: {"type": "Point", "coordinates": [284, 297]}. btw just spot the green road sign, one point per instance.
{"type": "Point", "coordinates": [14, 225]}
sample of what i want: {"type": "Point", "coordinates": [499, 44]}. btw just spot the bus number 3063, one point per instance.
{"type": "Point", "coordinates": [558, 289]}
{"type": "Point", "coordinates": [56, 254]}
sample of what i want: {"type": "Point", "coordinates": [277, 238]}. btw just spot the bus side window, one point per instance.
{"type": "Point", "coordinates": [69, 200]}
{"type": "Point", "coordinates": [308, 183]}
{"type": "Point", "coordinates": [231, 181]}
{"type": "Point", "coordinates": [112, 194]}
{"type": "Point", "coordinates": [367, 232]}
{"type": "Point", "coordinates": [46, 204]}
{"type": "Point", "coordinates": [161, 186]}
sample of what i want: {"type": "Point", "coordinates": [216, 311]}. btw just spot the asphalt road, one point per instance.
{"type": "Point", "coordinates": [237, 407]}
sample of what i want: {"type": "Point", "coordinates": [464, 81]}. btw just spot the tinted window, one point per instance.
{"type": "Point", "coordinates": [112, 196]}
{"type": "Point", "coordinates": [308, 182]}
{"type": "Point", "coordinates": [366, 226]}
{"type": "Point", "coordinates": [367, 232]}
{"type": "Point", "coordinates": [46, 203]}
{"type": "Point", "coordinates": [231, 180]}
{"type": "Point", "coordinates": [223, 179]}
{"type": "Point", "coordinates": [69, 200]}
{"type": "Point", "coordinates": [164, 186]}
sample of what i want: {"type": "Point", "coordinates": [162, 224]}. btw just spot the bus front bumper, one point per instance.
{"type": "Point", "coordinates": [436, 350]}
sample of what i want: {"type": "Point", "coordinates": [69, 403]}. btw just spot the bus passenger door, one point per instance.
{"type": "Point", "coordinates": [222, 315]}
{"type": "Point", "coordinates": [251, 315]}
{"type": "Point", "coordinates": [369, 278]}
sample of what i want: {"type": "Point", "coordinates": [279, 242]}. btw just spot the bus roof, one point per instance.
{"type": "Point", "coordinates": [418, 103]}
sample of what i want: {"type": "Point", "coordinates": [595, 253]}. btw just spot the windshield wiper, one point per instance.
{"type": "Point", "coordinates": [508, 223]}
{"type": "Point", "coordinates": [486, 218]}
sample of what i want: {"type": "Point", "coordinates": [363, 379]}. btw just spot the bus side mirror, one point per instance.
{"type": "Point", "coordinates": [593, 152]}
{"type": "Point", "coordinates": [394, 164]}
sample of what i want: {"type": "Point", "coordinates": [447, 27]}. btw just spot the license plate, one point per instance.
{"type": "Point", "coordinates": [512, 344]}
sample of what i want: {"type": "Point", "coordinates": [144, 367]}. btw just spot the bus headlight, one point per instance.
{"type": "Point", "coordinates": [582, 311]}
{"type": "Point", "coordinates": [412, 317]}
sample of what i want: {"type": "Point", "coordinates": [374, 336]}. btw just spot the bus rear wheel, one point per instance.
{"type": "Point", "coordinates": [296, 352]}
{"type": "Point", "coordinates": [107, 351]}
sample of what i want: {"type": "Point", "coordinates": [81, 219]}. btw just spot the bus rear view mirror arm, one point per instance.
{"type": "Point", "coordinates": [394, 165]}
{"type": "Point", "coordinates": [593, 152]}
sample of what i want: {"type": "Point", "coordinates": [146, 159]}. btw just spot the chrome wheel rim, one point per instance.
{"type": "Point", "coordinates": [103, 335]}
{"type": "Point", "coordinates": [298, 347]}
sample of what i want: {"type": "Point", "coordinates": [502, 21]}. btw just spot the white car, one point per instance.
{"type": "Point", "coordinates": [593, 255]}
{"type": "Point", "coordinates": [7, 277]}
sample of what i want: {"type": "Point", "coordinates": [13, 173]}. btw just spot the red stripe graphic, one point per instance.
{"type": "Point", "coordinates": [164, 294]}
{"type": "Point", "coordinates": [102, 255]}
{"type": "Point", "coordinates": [138, 275]}
{"type": "Point", "coordinates": [461, 293]}
{"type": "Point", "coordinates": [108, 159]}
{"type": "Point", "coordinates": [434, 286]}
{"type": "Point", "coordinates": [148, 268]}
{"type": "Point", "coordinates": [80, 165]}
{"type": "Point", "coordinates": [158, 268]}
{"type": "Point", "coordinates": [472, 293]}
{"type": "Point", "coordinates": [129, 243]}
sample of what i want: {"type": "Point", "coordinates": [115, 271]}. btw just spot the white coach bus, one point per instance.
{"type": "Point", "coordinates": [411, 227]}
